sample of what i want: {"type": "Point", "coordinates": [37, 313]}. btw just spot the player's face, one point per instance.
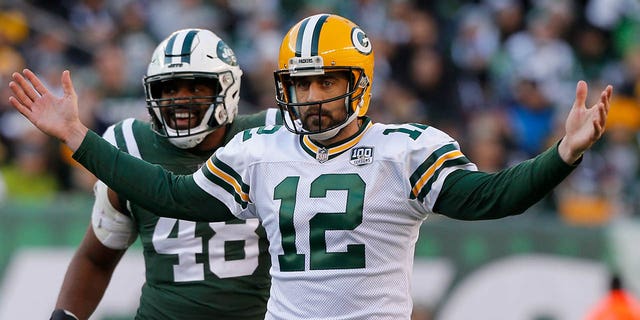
{"type": "Point", "coordinates": [317, 88]}
{"type": "Point", "coordinates": [190, 100]}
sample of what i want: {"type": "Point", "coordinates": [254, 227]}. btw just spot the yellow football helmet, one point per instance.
{"type": "Point", "coordinates": [314, 46]}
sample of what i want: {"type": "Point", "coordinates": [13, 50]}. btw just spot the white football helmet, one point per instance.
{"type": "Point", "coordinates": [192, 54]}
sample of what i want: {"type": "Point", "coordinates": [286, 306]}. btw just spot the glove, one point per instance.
{"type": "Point", "coordinates": [61, 314]}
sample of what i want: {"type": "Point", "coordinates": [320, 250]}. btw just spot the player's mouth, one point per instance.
{"type": "Point", "coordinates": [184, 119]}
{"type": "Point", "coordinates": [314, 121]}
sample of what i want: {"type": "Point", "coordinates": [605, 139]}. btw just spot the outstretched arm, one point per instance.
{"type": "Point", "coordinates": [55, 116]}
{"type": "Point", "coordinates": [584, 126]}
{"type": "Point", "coordinates": [151, 186]}
{"type": "Point", "coordinates": [478, 195]}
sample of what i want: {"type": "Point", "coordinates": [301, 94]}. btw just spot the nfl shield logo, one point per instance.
{"type": "Point", "coordinates": [322, 155]}
{"type": "Point", "coordinates": [361, 156]}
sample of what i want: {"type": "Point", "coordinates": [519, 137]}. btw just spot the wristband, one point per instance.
{"type": "Point", "coordinates": [61, 314]}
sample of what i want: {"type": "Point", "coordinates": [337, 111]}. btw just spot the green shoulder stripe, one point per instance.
{"type": "Point", "coordinates": [225, 177]}
{"type": "Point", "coordinates": [427, 173]}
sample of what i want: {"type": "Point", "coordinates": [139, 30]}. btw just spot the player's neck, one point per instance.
{"type": "Point", "coordinates": [213, 140]}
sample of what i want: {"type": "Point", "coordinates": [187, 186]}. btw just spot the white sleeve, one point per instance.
{"type": "Point", "coordinates": [432, 157]}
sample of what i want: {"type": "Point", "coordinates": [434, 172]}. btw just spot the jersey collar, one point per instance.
{"type": "Point", "coordinates": [323, 154]}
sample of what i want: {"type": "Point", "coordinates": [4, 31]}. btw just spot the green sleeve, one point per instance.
{"type": "Point", "coordinates": [474, 195]}
{"type": "Point", "coordinates": [151, 186]}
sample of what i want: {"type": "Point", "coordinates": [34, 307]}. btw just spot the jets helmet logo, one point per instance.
{"type": "Point", "coordinates": [225, 54]}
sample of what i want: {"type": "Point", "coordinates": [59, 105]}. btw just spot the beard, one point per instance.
{"type": "Point", "coordinates": [317, 119]}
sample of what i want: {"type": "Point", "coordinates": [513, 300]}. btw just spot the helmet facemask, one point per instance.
{"type": "Point", "coordinates": [186, 121]}
{"type": "Point", "coordinates": [305, 117]}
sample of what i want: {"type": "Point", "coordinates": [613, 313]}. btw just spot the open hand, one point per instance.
{"type": "Point", "coordinates": [584, 126]}
{"type": "Point", "coordinates": [55, 116]}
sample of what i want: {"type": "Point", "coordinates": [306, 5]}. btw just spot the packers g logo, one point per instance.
{"type": "Point", "coordinates": [360, 41]}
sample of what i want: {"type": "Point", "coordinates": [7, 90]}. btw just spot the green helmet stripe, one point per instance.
{"type": "Point", "coordinates": [186, 46]}
{"type": "Point", "coordinates": [309, 35]}
{"type": "Point", "coordinates": [168, 50]}
{"type": "Point", "coordinates": [182, 41]}
{"type": "Point", "coordinates": [299, 37]}
{"type": "Point", "coordinates": [316, 35]}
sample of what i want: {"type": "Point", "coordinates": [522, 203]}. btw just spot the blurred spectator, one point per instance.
{"type": "Point", "coordinates": [27, 176]}
{"type": "Point", "coordinates": [594, 52]}
{"type": "Point", "coordinates": [118, 97]}
{"type": "Point", "coordinates": [620, 17]}
{"type": "Point", "coordinates": [398, 104]}
{"type": "Point", "coordinates": [48, 51]}
{"type": "Point", "coordinates": [475, 43]}
{"type": "Point", "coordinates": [530, 117]}
{"type": "Point", "coordinates": [13, 31]}
{"type": "Point", "coordinates": [93, 21]}
{"type": "Point", "coordinates": [135, 40]}
{"type": "Point", "coordinates": [435, 87]}
{"type": "Point", "coordinates": [541, 51]}
{"type": "Point", "coordinates": [487, 145]}
{"type": "Point", "coordinates": [171, 15]}
{"type": "Point", "coordinates": [508, 16]}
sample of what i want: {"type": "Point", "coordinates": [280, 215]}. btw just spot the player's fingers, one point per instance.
{"type": "Point", "coordinates": [604, 101]}
{"type": "Point", "coordinates": [603, 110]}
{"type": "Point", "coordinates": [19, 93]}
{"type": "Point", "coordinates": [598, 129]}
{"type": "Point", "coordinates": [37, 84]}
{"type": "Point", "coordinates": [581, 94]}
{"type": "Point", "coordinates": [20, 107]}
{"type": "Point", "coordinates": [67, 84]}
{"type": "Point", "coordinates": [606, 98]}
{"type": "Point", "coordinates": [23, 89]}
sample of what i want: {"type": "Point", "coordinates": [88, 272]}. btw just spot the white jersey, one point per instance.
{"type": "Point", "coordinates": [342, 222]}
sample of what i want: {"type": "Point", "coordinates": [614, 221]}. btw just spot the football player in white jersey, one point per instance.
{"type": "Point", "coordinates": [340, 197]}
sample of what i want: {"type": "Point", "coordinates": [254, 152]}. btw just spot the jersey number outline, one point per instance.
{"type": "Point", "coordinates": [186, 245]}
{"type": "Point", "coordinates": [413, 134]}
{"type": "Point", "coordinates": [320, 259]}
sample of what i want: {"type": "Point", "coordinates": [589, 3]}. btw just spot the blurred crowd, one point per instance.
{"type": "Point", "coordinates": [498, 75]}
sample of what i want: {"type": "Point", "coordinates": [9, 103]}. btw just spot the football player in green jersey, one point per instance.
{"type": "Point", "coordinates": [341, 198]}
{"type": "Point", "coordinates": [194, 270]}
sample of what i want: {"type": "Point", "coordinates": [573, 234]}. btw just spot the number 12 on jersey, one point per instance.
{"type": "Point", "coordinates": [319, 258]}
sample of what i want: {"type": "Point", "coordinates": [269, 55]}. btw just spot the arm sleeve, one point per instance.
{"type": "Point", "coordinates": [151, 186]}
{"type": "Point", "coordinates": [468, 195]}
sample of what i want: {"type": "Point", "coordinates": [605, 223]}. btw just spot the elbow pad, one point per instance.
{"type": "Point", "coordinates": [114, 229]}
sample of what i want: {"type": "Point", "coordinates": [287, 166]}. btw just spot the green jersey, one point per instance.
{"type": "Point", "coordinates": [196, 270]}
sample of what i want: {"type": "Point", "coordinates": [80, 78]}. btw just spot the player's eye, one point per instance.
{"type": "Point", "coordinates": [302, 84]}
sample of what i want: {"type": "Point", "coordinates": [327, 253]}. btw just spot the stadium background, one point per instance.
{"type": "Point", "coordinates": [499, 75]}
